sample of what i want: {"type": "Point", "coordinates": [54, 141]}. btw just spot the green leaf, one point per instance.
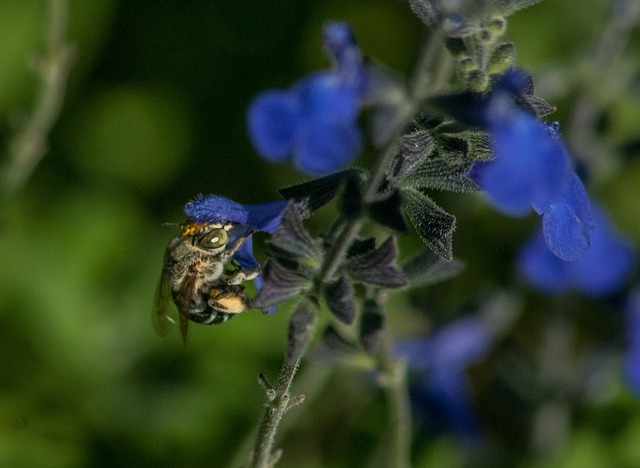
{"type": "Point", "coordinates": [434, 225]}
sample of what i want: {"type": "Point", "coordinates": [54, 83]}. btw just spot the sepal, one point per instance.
{"type": "Point", "coordinates": [376, 266]}
{"type": "Point", "coordinates": [387, 211]}
{"type": "Point", "coordinates": [319, 192]}
{"type": "Point", "coordinates": [427, 268]}
{"type": "Point", "coordinates": [352, 202]}
{"type": "Point", "coordinates": [300, 327]}
{"type": "Point", "coordinates": [414, 147]}
{"type": "Point", "coordinates": [434, 225]}
{"type": "Point", "coordinates": [339, 297]}
{"type": "Point", "coordinates": [292, 242]}
{"type": "Point", "coordinates": [371, 326]}
{"type": "Point", "coordinates": [280, 284]}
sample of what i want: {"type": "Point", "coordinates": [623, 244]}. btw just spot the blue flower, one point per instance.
{"type": "Point", "coordinates": [315, 121]}
{"type": "Point", "coordinates": [441, 393]}
{"type": "Point", "coordinates": [530, 170]}
{"type": "Point", "coordinates": [263, 217]}
{"type": "Point", "coordinates": [601, 272]}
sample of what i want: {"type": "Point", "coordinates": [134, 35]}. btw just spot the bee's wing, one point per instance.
{"type": "Point", "coordinates": [184, 299]}
{"type": "Point", "coordinates": [164, 313]}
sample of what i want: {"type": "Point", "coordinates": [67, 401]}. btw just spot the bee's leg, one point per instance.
{"type": "Point", "coordinates": [237, 244]}
{"type": "Point", "coordinates": [244, 275]}
{"type": "Point", "coordinates": [231, 299]}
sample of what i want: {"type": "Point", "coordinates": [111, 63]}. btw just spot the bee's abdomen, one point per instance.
{"type": "Point", "coordinates": [209, 317]}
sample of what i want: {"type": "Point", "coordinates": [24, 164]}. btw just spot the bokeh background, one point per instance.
{"type": "Point", "coordinates": [154, 114]}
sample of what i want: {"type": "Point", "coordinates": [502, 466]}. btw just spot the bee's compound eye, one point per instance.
{"type": "Point", "coordinates": [214, 239]}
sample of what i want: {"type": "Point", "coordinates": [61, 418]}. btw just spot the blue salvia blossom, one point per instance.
{"type": "Point", "coordinates": [265, 217]}
{"type": "Point", "coordinates": [314, 123]}
{"type": "Point", "coordinates": [530, 171]}
{"type": "Point", "coordinates": [441, 394]}
{"type": "Point", "coordinates": [601, 272]}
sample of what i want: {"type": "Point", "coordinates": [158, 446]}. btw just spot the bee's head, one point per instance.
{"type": "Point", "coordinates": [212, 237]}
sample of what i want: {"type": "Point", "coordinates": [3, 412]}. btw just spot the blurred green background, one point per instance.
{"type": "Point", "coordinates": [154, 114]}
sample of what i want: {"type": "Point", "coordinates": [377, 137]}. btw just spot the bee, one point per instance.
{"type": "Point", "coordinates": [200, 279]}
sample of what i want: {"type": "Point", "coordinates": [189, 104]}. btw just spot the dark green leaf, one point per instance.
{"type": "Point", "coordinates": [377, 267]}
{"type": "Point", "coordinates": [434, 225]}
{"type": "Point", "coordinates": [427, 268]}
{"type": "Point", "coordinates": [371, 326]}
{"type": "Point", "coordinates": [339, 297]}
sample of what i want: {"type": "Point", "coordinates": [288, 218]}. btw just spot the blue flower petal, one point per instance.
{"type": "Point", "coordinates": [567, 221]}
{"type": "Point", "coordinates": [455, 346]}
{"type": "Point", "coordinates": [315, 121]}
{"type": "Point", "coordinates": [541, 268]}
{"type": "Point", "coordinates": [609, 263]}
{"type": "Point", "coordinates": [215, 209]}
{"type": "Point", "coordinates": [272, 121]}
{"type": "Point", "coordinates": [327, 147]}
{"type": "Point", "coordinates": [265, 217]}
{"type": "Point", "coordinates": [442, 402]}
{"type": "Point", "coordinates": [601, 272]}
{"type": "Point", "coordinates": [529, 163]}
{"type": "Point", "coordinates": [461, 343]}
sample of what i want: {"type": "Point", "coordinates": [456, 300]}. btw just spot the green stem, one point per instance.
{"type": "Point", "coordinates": [29, 144]}
{"type": "Point", "coordinates": [395, 385]}
{"type": "Point", "coordinates": [274, 410]}
{"type": "Point", "coordinates": [279, 399]}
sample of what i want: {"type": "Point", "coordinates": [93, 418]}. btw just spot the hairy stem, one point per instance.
{"type": "Point", "coordinates": [274, 410]}
{"type": "Point", "coordinates": [279, 400]}
{"type": "Point", "coordinates": [29, 144]}
{"type": "Point", "coordinates": [279, 397]}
